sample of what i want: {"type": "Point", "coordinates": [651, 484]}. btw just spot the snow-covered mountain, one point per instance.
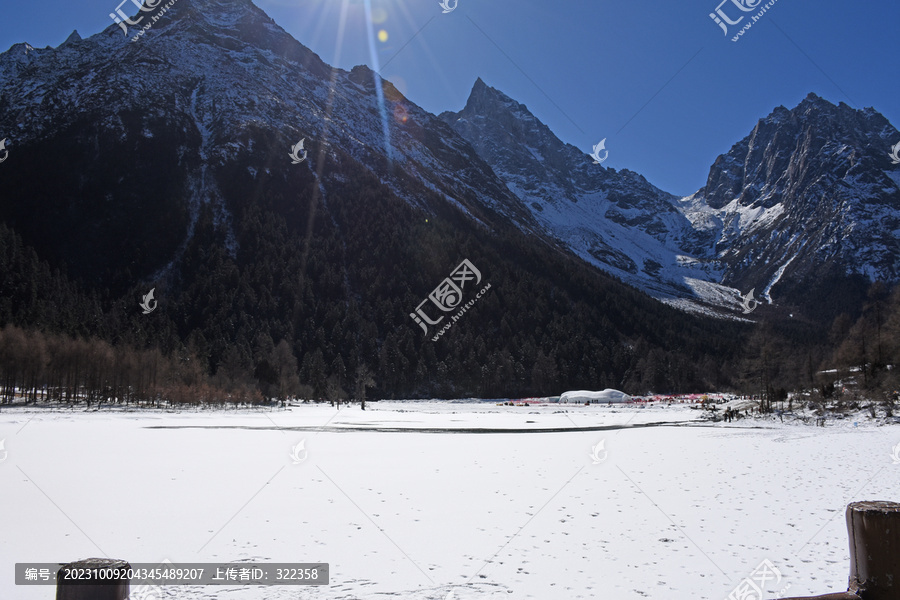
{"type": "Point", "coordinates": [216, 83]}
{"type": "Point", "coordinates": [173, 163]}
{"type": "Point", "coordinates": [810, 192]}
{"type": "Point", "coordinates": [215, 91]}
{"type": "Point", "coordinates": [615, 220]}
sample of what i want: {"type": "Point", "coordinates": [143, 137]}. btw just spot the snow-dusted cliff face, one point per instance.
{"type": "Point", "coordinates": [615, 220]}
{"type": "Point", "coordinates": [811, 190]}
{"type": "Point", "coordinates": [810, 187]}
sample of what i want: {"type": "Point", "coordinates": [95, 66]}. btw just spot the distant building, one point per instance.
{"type": "Point", "coordinates": [605, 397]}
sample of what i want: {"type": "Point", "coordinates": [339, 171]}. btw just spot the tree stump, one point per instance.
{"type": "Point", "coordinates": [874, 532]}
{"type": "Point", "coordinates": [73, 589]}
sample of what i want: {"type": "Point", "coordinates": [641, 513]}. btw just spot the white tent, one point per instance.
{"type": "Point", "coordinates": [604, 397]}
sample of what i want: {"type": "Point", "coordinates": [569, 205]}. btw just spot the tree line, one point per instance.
{"type": "Point", "coordinates": [45, 367]}
{"type": "Point", "coordinates": [852, 361]}
{"type": "Point", "coordinates": [332, 285]}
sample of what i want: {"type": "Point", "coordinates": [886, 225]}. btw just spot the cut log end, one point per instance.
{"type": "Point", "coordinates": [880, 506]}
{"type": "Point", "coordinates": [110, 589]}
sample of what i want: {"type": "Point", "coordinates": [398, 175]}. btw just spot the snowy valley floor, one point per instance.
{"type": "Point", "coordinates": [477, 501]}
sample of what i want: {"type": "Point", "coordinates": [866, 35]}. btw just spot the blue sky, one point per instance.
{"type": "Point", "coordinates": [659, 80]}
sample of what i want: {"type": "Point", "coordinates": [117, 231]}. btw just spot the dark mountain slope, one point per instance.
{"type": "Point", "coordinates": [171, 171]}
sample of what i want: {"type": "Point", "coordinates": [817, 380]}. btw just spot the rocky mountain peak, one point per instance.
{"type": "Point", "coordinates": [810, 189]}
{"type": "Point", "coordinates": [487, 102]}
{"type": "Point", "coordinates": [73, 37]}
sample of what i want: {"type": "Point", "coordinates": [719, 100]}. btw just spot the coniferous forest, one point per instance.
{"type": "Point", "coordinates": [300, 282]}
{"type": "Point", "coordinates": [294, 307]}
{"type": "Point", "coordinates": [298, 308]}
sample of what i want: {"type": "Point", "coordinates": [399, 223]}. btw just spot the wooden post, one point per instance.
{"type": "Point", "coordinates": [874, 532]}
{"type": "Point", "coordinates": [874, 529]}
{"type": "Point", "coordinates": [72, 589]}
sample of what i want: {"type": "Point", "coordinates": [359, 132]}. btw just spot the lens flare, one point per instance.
{"type": "Point", "coordinates": [382, 36]}
{"type": "Point", "coordinates": [401, 115]}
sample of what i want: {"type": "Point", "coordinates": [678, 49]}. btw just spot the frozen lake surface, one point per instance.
{"type": "Point", "coordinates": [413, 500]}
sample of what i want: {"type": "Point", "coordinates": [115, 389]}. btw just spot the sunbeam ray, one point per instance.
{"type": "Point", "coordinates": [379, 94]}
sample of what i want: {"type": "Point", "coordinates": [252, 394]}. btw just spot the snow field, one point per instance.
{"type": "Point", "coordinates": [675, 511]}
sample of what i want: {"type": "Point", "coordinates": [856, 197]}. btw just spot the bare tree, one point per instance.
{"type": "Point", "coordinates": [334, 391]}
{"type": "Point", "coordinates": [364, 379]}
{"type": "Point", "coordinates": [284, 364]}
